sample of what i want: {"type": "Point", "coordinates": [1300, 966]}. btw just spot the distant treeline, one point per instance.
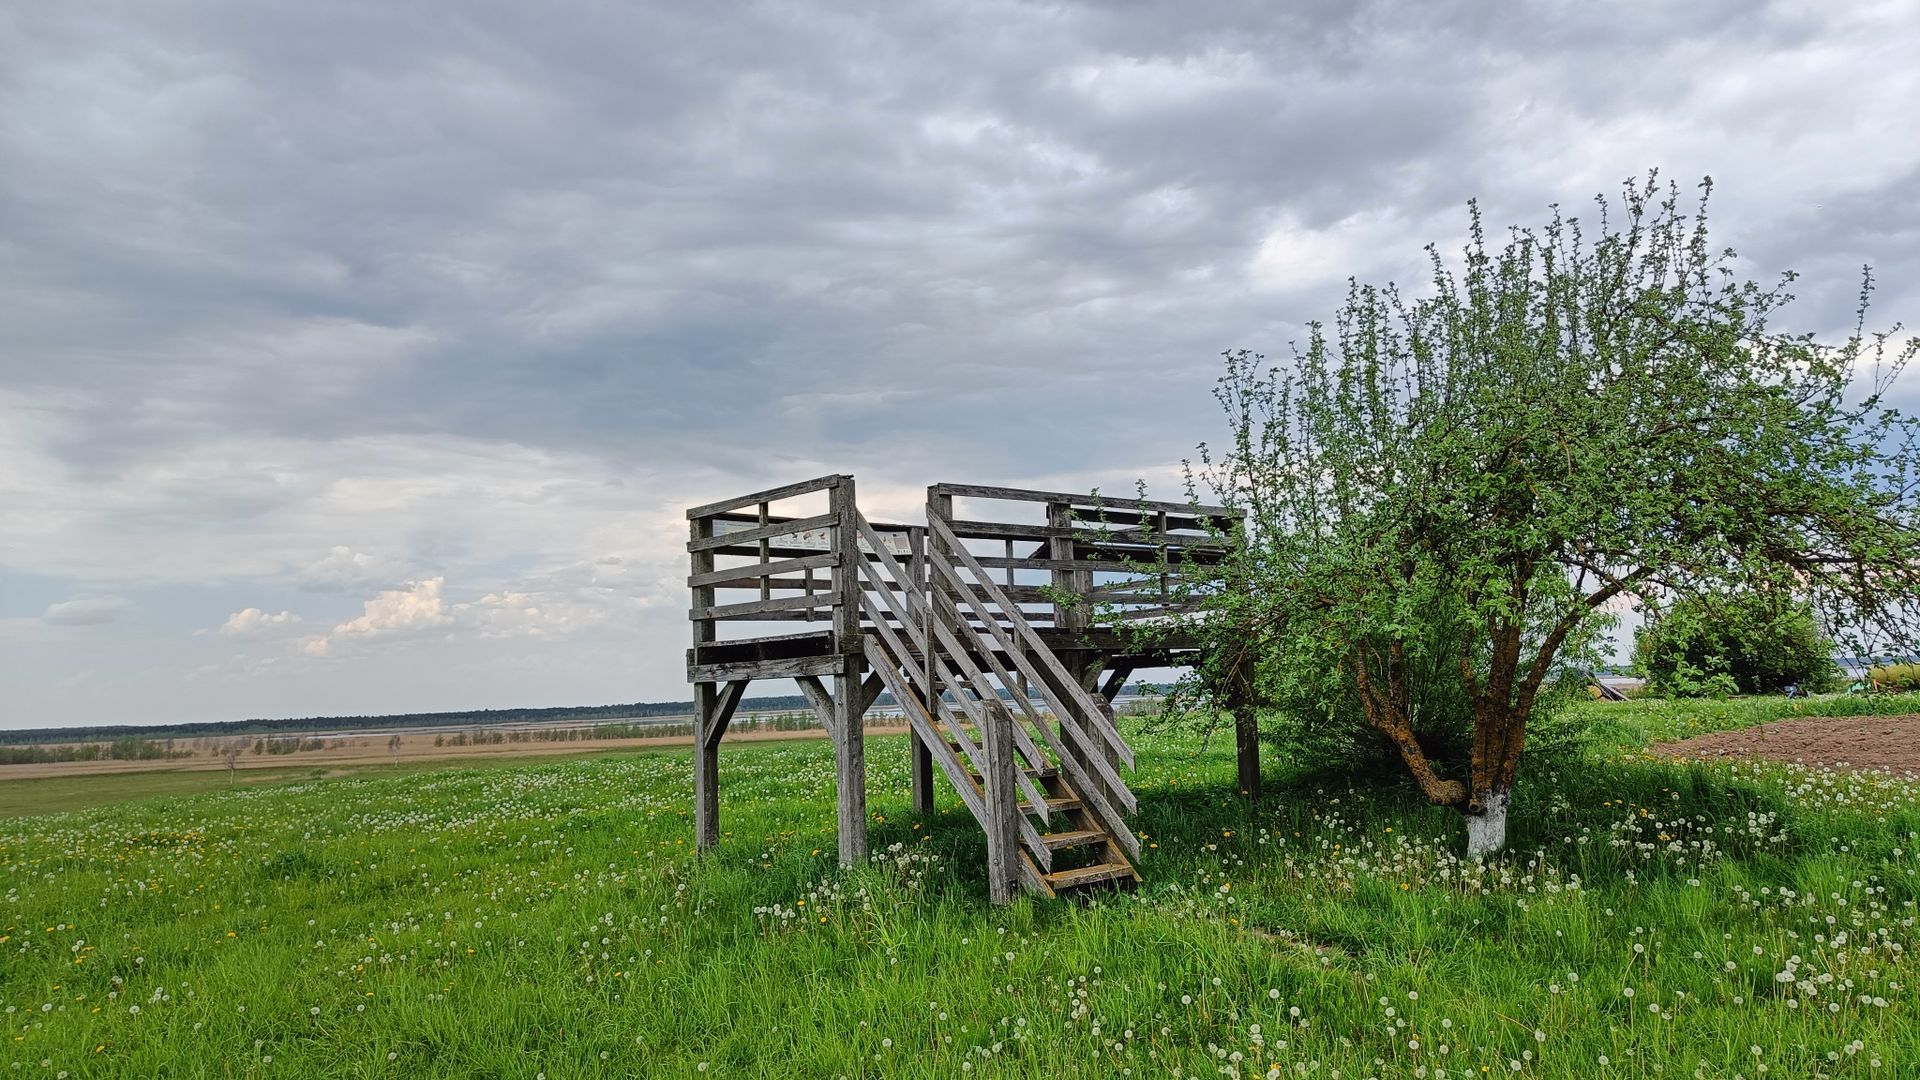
{"type": "Point", "coordinates": [474, 718]}
{"type": "Point", "coordinates": [478, 717]}
{"type": "Point", "coordinates": [121, 749]}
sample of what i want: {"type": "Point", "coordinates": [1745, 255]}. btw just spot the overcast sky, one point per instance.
{"type": "Point", "coordinates": [362, 357]}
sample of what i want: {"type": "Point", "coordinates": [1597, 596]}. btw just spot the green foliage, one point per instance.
{"type": "Point", "coordinates": [1453, 486]}
{"type": "Point", "coordinates": [1747, 643]}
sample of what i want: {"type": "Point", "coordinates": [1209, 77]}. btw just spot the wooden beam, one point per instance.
{"type": "Point", "coordinates": [729, 700]}
{"type": "Point", "coordinates": [761, 607]}
{"type": "Point", "coordinates": [1116, 680]}
{"type": "Point", "coordinates": [729, 574]}
{"type": "Point", "coordinates": [770, 495]}
{"type": "Point", "coordinates": [920, 763]}
{"type": "Point", "coordinates": [1007, 494]}
{"type": "Point", "coordinates": [778, 528]}
{"type": "Point", "coordinates": [849, 740]}
{"type": "Point", "coordinates": [706, 769]}
{"type": "Point", "coordinates": [706, 759]}
{"type": "Point", "coordinates": [817, 695]}
{"type": "Point", "coordinates": [790, 668]}
{"type": "Point", "coordinates": [1003, 806]}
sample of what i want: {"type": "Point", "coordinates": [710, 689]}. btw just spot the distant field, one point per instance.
{"type": "Point", "coordinates": [353, 753]}
{"type": "Point", "coordinates": [1655, 919]}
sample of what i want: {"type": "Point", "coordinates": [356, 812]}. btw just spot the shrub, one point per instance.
{"type": "Point", "coordinates": [1742, 643]}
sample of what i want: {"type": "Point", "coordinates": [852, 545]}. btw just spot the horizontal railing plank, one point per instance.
{"type": "Point", "coordinates": [818, 483]}
{"type": "Point", "coordinates": [776, 605]}
{"type": "Point", "coordinates": [752, 574]}
{"type": "Point", "coordinates": [1007, 494]}
{"type": "Point", "coordinates": [778, 528]}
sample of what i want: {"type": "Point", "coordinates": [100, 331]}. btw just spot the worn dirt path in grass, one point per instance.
{"type": "Point", "coordinates": [1860, 742]}
{"type": "Point", "coordinates": [413, 748]}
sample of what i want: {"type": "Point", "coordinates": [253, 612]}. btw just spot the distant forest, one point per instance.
{"type": "Point", "coordinates": [473, 718]}
{"type": "Point", "coordinates": [477, 717]}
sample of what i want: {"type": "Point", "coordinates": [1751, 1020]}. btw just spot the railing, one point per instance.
{"type": "Point", "coordinates": [1095, 561]}
{"type": "Point", "coordinates": [964, 663]}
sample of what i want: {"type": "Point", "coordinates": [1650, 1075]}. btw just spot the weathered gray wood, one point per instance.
{"type": "Point", "coordinates": [1078, 583]}
{"type": "Point", "coordinates": [1146, 540]}
{"type": "Point", "coordinates": [737, 537]}
{"type": "Point", "coordinates": [947, 628]}
{"type": "Point", "coordinates": [1003, 808]}
{"type": "Point", "coordinates": [920, 764]}
{"type": "Point", "coordinates": [1114, 515]}
{"type": "Point", "coordinates": [706, 770]}
{"type": "Point", "coordinates": [849, 740]}
{"type": "Point", "coordinates": [772, 585]}
{"type": "Point", "coordinates": [819, 696]}
{"type": "Point", "coordinates": [1036, 562]}
{"type": "Point", "coordinates": [850, 760]}
{"type": "Point", "coordinates": [765, 669]}
{"type": "Point", "coordinates": [761, 607]}
{"type": "Point", "coordinates": [926, 728]}
{"type": "Point", "coordinates": [1080, 755]}
{"type": "Point", "coordinates": [706, 757]}
{"type": "Point", "coordinates": [821, 636]}
{"type": "Point", "coordinates": [956, 655]}
{"type": "Point", "coordinates": [787, 491]}
{"type": "Point", "coordinates": [1063, 703]}
{"type": "Point", "coordinates": [1007, 494]}
{"type": "Point", "coordinates": [1024, 628]}
{"type": "Point", "coordinates": [1117, 679]}
{"type": "Point", "coordinates": [766, 554]}
{"type": "Point", "coordinates": [729, 574]}
{"type": "Point", "coordinates": [727, 701]}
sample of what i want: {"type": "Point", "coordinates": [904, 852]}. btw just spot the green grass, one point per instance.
{"type": "Point", "coordinates": [551, 919]}
{"type": "Point", "coordinates": [56, 794]}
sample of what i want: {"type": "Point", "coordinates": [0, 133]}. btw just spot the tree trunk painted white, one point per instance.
{"type": "Point", "coordinates": [1487, 830]}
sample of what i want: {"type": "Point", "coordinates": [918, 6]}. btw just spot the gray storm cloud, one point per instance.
{"type": "Point", "coordinates": [310, 301]}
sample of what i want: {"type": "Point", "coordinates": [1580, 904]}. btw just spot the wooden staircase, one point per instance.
{"type": "Point", "coordinates": [1033, 754]}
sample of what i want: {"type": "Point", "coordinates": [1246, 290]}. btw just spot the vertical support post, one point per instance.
{"type": "Point", "coordinates": [921, 759]}
{"type": "Point", "coordinates": [1066, 616]}
{"type": "Point", "coordinates": [849, 741]}
{"type": "Point", "coordinates": [706, 702]}
{"type": "Point", "coordinates": [1077, 582]}
{"type": "Point", "coordinates": [1003, 808]}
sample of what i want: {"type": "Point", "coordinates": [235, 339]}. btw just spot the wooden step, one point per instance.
{"type": "Point", "coordinates": [1057, 841]}
{"type": "Point", "coordinates": [1096, 874]}
{"type": "Point", "coordinates": [1059, 803]}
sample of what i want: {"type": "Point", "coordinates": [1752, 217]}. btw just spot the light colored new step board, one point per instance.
{"type": "Point", "coordinates": [1091, 875]}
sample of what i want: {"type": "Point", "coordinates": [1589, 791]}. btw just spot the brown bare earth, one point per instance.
{"type": "Point", "coordinates": [413, 748]}
{"type": "Point", "coordinates": [1855, 742]}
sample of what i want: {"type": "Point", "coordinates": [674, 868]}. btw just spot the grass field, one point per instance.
{"type": "Point", "coordinates": [1653, 919]}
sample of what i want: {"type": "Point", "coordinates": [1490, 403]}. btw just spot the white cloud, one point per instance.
{"type": "Point", "coordinates": [85, 611]}
{"type": "Point", "coordinates": [253, 622]}
{"type": "Point", "coordinates": [415, 606]}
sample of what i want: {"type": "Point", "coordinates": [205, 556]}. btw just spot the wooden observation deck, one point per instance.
{"type": "Point", "coordinates": [1003, 642]}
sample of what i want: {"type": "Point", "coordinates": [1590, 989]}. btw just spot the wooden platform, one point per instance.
{"type": "Point", "coordinates": [1003, 642]}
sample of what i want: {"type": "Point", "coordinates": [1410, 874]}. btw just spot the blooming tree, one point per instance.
{"type": "Point", "coordinates": [1452, 488]}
